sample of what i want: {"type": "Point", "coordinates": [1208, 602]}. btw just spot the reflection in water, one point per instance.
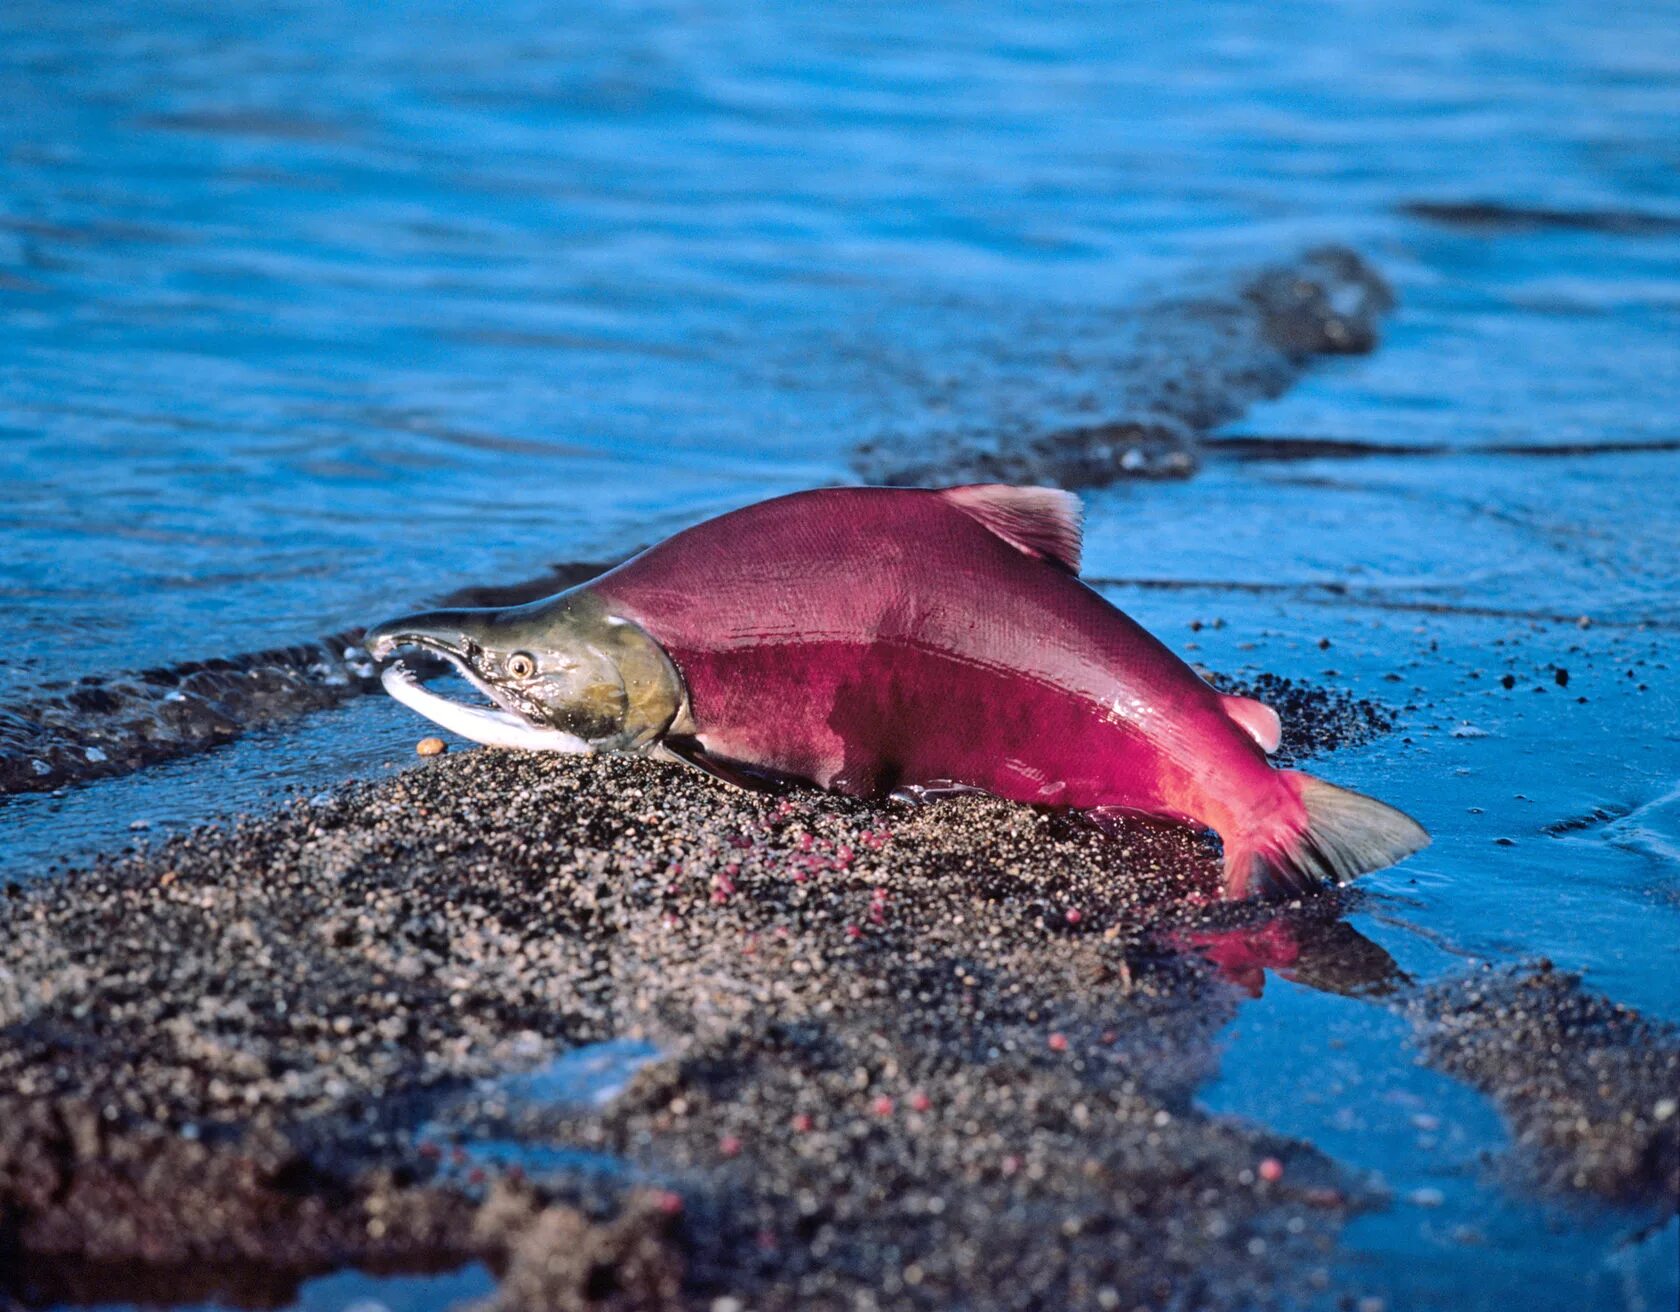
{"type": "Point", "coordinates": [1326, 954]}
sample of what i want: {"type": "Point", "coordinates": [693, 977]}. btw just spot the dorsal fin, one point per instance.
{"type": "Point", "coordinates": [1041, 521]}
{"type": "Point", "coordinates": [1258, 719]}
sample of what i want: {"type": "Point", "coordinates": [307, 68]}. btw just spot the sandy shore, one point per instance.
{"type": "Point", "coordinates": [900, 1056]}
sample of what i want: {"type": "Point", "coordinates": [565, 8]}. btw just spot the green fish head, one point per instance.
{"type": "Point", "coordinates": [578, 677]}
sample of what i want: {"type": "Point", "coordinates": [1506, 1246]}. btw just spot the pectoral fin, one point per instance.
{"type": "Point", "coordinates": [690, 751]}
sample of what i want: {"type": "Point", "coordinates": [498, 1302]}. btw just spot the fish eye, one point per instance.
{"type": "Point", "coordinates": [522, 665]}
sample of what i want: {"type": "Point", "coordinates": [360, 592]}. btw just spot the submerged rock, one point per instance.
{"type": "Point", "coordinates": [1194, 360]}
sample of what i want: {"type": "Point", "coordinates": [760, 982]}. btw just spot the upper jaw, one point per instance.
{"type": "Point", "coordinates": [384, 640]}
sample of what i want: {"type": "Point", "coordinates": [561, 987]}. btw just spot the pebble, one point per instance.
{"type": "Point", "coordinates": [431, 747]}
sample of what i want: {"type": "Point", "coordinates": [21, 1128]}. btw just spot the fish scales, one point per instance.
{"type": "Point", "coordinates": [877, 641]}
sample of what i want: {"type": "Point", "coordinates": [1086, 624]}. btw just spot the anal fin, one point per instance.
{"type": "Point", "coordinates": [1257, 719]}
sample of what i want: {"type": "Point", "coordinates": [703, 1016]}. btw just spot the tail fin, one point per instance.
{"type": "Point", "coordinates": [1345, 835]}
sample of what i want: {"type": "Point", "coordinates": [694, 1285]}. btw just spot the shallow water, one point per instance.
{"type": "Point", "coordinates": [356, 1291]}
{"type": "Point", "coordinates": [310, 312]}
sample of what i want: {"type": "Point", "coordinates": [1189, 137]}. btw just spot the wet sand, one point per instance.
{"type": "Point", "coordinates": [1191, 361]}
{"type": "Point", "coordinates": [918, 1057]}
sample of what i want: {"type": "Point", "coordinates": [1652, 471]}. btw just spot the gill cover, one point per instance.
{"type": "Point", "coordinates": [567, 674]}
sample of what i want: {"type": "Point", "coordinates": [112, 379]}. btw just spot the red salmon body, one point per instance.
{"type": "Point", "coordinates": [871, 640]}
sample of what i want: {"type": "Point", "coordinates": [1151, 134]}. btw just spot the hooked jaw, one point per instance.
{"type": "Point", "coordinates": [565, 662]}
{"type": "Point", "coordinates": [481, 724]}
{"type": "Point", "coordinates": [439, 634]}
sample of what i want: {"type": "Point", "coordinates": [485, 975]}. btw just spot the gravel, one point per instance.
{"type": "Point", "coordinates": [938, 1056]}
{"type": "Point", "coordinates": [924, 1055]}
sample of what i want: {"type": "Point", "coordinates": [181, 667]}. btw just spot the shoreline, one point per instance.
{"type": "Point", "coordinates": [856, 1011]}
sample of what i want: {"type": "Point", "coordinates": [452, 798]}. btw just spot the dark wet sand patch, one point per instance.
{"type": "Point", "coordinates": [1348, 595]}
{"type": "Point", "coordinates": [245, 123]}
{"type": "Point", "coordinates": [1589, 1088]}
{"type": "Point", "coordinates": [1195, 361]}
{"type": "Point", "coordinates": [1258, 448]}
{"type": "Point", "coordinates": [1315, 719]}
{"type": "Point", "coordinates": [1497, 218]}
{"type": "Point", "coordinates": [1593, 819]}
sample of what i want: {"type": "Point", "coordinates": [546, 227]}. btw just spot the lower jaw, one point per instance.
{"type": "Point", "coordinates": [492, 728]}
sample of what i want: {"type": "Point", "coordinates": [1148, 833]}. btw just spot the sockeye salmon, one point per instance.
{"type": "Point", "coordinates": [909, 642]}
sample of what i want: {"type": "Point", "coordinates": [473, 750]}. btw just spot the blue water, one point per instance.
{"type": "Point", "coordinates": [307, 309]}
{"type": "Point", "coordinates": [310, 310]}
{"type": "Point", "coordinates": [354, 1291]}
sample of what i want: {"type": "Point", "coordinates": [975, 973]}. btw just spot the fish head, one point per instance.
{"type": "Point", "coordinates": [565, 674]}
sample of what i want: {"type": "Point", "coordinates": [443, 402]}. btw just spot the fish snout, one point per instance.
{"type": "Point", "coordinates": [436, 631]}
{"type": "Point", "coordinates": [380, 641]}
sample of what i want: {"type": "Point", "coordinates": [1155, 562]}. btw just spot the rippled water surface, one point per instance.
{"type": "Point", "coordinates": [308, 311]}
{"type": "Point", "coordinates": [309, 308]}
